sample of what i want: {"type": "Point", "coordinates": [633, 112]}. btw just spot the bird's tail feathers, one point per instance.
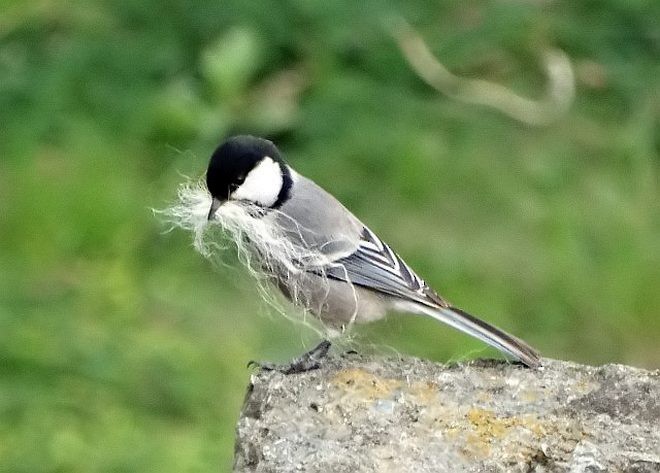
{"type": "Point", "coordinates": [483, 331]}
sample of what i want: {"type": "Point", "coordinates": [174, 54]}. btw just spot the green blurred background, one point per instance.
{"type": "Point", "coordinates": [121, 349]}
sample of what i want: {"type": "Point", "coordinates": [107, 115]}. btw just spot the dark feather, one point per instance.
{"type": "Point", "coordinates": [375, 266]}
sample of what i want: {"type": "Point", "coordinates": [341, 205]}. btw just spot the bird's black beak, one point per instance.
{"type": "Point", "coordinates": [215, 205]}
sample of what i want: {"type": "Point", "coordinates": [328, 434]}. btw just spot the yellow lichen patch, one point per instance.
{"type": "Point", "coordinates": [475, 447]}
{"type": "Point", "coordinates": [365, 385]}
{"type": "Point", "coordinates": [423, 392]}
{"type": "Point", "coordinates": [489, 430]}
{"type": "Point", "coordinates": [533, 424]}
{"type": "Point", "coordinates": [530, 395]}
{"type": "Point", "coordinates": [488, 426]}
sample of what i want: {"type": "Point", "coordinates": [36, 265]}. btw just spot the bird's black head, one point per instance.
{"type": "Point", "coordinates": [248, 168]}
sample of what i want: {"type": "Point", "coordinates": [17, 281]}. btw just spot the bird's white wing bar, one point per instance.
{"type": "Point", "coordinates": [375, 266]}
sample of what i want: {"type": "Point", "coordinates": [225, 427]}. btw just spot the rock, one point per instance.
{"type": "Point", "coordinates": [369, 414]}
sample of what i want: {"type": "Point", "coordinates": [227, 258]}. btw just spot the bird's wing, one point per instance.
{"type": "Point", "coordinates": [375, 266]}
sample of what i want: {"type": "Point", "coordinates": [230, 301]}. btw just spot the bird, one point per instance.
{"type": "Point", "coordinates": [333, 265]}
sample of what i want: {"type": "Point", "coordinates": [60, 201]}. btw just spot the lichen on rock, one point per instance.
{"type": "Point", "coordinates": [362, 414]}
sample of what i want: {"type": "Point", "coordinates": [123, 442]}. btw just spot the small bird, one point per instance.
{"type": "Point", "coordinates": [333, 265]}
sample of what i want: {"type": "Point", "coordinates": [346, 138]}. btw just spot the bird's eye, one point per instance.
{"type": "Point", "coordinates": [240, 178]}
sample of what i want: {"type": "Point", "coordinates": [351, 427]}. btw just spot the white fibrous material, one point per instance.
{"type": "Point", "coordinates": [255, 234]}
{"type": "Point", "coordinates": [261, 243]}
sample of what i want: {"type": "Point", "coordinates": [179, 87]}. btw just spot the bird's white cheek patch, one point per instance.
{"type": "Point", "coordinates": [262, 185]}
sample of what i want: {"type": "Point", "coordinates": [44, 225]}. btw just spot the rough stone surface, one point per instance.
{"type": "Point", "coordinates": [364, 414]}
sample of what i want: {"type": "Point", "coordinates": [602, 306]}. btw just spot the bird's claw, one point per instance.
{"type": "Point", "coordinates": [307, 362]}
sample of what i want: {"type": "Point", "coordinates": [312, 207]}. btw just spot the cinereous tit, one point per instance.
{"type": "Point", "coordinates": [318, 253]}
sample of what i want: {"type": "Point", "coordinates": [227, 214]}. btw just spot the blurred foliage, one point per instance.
{"type": "Point", "coordinates": [123, 350]}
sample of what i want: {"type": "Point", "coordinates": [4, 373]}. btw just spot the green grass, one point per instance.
{"type": "Point", "coordinates": [121, 349]}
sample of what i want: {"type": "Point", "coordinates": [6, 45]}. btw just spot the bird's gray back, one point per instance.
{"type": "Point", "coordinates": [315, 219]}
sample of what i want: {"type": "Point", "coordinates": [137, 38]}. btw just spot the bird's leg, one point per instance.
{"type": "Point", "coordinates": [306, 362]}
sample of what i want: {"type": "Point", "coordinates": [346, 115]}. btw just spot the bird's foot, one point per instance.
{"type": "Point", "coordinates": [306, 362]}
